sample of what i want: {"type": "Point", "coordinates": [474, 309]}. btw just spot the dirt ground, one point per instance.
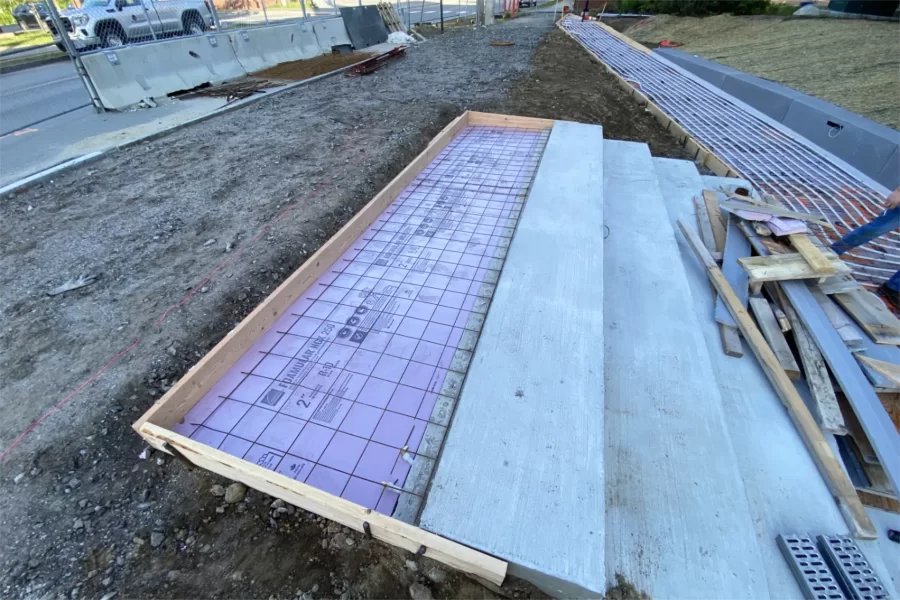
{"type": "Point", "coordinates": [299, 70]}
{"type": "Point", "coordinates": [852, 63]}
{"type": "Point", "coordinates": [187, 234]}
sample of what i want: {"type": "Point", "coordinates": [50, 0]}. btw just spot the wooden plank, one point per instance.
{"type": "Point", "coordinates": [876, 501]}
{"type": "Point", "coordinates": [765, 318]}
{"type": "Point", "coordinates": [731, 341]}
{"type": "Point", "coordinates": [783, 267]}
{"type": "Point", "coordinates": [384, 528]}
{"type": "Point", "coordinates": [171, 407]}
{"type": "Point", "coordinates": [875, 418]}
{"type": "Point", "coordinates": [705, 227]}
{"type": "Point", "coordinates": [825, 409]}
{"type": "Point", "coordinates": [783, 321]}
{"type": "Point", "coordinates": [872, 315]}
{"type": "Point", "coordinates": [479, 118]}
{"type": "Point", "coordinates": [832, 472]}
{"type": "Point", "coordinates": [838, 318]}
{"type": "Point", "coordinates": [811, 253]}
{"type": "Point", "coordinates": [839, 283]}
{"type": "Point", "coordinates": [891, 371]}
{"type": "Point", "coordinates": [715, 218]}
{"type": "Point", "coordinates": [736, 247]}
{"type": "Point", "coordinates": [733, 205]}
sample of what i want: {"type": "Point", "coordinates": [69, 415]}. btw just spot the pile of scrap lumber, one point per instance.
{"type": "Point", "coordinates": [829, 346]}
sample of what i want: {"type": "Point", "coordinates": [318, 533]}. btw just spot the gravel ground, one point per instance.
{"type": "Point", "coordinates": [852, 63]}
{"type": "Point", "coordinates": [186, 235]}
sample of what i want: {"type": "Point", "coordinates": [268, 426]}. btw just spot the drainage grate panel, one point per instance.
{"type": "Point", "coordinates": [809, 568]}
{"type": "Point", "coordinates": [851, 567]}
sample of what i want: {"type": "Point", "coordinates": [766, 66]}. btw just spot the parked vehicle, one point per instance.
{"type": "Point", "coordinates": [111, 23]}
{"type": "Point", "coordinates": [26, 15]}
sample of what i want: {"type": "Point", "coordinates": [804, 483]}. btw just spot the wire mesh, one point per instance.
{"type": "Point", "coordinates": [773, 162]}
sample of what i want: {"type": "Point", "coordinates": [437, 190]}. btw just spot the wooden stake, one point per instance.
{"type": "Point", "coordinates": [835, 478]}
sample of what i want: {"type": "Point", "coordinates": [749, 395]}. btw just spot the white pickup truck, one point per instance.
{"type": "Point", "coordinates": [110, 23]}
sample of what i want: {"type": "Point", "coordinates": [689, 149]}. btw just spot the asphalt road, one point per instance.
{"type": "Point", "coordinates": [37, 94]}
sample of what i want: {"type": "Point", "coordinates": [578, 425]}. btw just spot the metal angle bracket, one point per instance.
{"type": "Point", "coordinates": [809, 567]}
{"type": "Point", "coordinates": [111, 57]}
{"type": "Point", "coordinates": [853, 571]}
{"type": "Point", "coordinates": [213, 41]}
{"type": "Point", "coordinates": [245, 34]}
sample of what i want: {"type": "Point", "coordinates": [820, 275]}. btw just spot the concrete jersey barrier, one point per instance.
{"type": "Point", "coordinates": [266, 47]}
{"type": "Point", "coordinates": [330, 33]}
{"type": "Point", "coordinates": [125, 76]}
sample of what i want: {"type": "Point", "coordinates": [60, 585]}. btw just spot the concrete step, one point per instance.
{"type": "Point", "coordinates": [678, 521]}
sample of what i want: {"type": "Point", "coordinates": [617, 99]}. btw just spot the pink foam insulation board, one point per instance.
{"type": "Point", "coordinates": [352, 389]}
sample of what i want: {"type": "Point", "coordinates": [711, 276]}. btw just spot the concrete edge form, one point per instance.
{"type": "Point", "coordinates": [521, 474]}
{"type": "Point", "coordinates": [871, 147]}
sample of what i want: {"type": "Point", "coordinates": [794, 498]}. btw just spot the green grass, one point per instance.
{"type": "Point", "coordinates": [21, 40]}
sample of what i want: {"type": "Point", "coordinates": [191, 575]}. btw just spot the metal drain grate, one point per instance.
{"type": "Point", "coordinates": [809, 568]}
{"type": "Point", "coordinates": [851, 567]}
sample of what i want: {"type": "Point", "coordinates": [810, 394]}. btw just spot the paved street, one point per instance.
{"type": "Point", "coordinates": [37, 94]}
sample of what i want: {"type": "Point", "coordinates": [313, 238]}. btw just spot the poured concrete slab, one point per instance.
{"type": "Point", "coordinates": [783, 487]}
{"type": "Point", "coordinates": [678, 522]}
{"type": "Point", "coordinates": [521, 474]}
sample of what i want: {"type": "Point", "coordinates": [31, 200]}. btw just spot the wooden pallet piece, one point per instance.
{"type": "Point", "coordinates": [782, 267]}
{"type": "Point", "coordinates": [832, 472]}
{"type": "Point", "coordinates": [838, 318]}
{"type": "Point", "coordinates": [715, 218]}
{"type": "Point", "coordinates": [811, 254]}
{"type": "Point", "coordinates": [783, 321]}
{"type": "Point", "coordinates": [767, 322]}
{"type": "Point", "coordinates": [154, 425]}
{"type": "Point", "coordinates": [871, 314]}
{"type": "Point", "coordinates": [825, 409]}
{"type": "Point", "coordinates": [776, 211]}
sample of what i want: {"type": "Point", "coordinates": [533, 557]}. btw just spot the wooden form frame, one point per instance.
{"type": "Point", "coordinates": [155, 425]}
{"type": "Point", "coordinates": [700, 153]}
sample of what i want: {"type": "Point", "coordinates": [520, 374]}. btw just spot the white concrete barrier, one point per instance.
{"type": "Point", "coordinates": [331, 32]}
{"type": "Point", "coordinates": [125, 76]}
{"type": "Point", "coordinates": [265, 47]}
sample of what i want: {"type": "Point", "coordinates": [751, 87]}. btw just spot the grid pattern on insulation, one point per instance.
{"type": "Point", "coordinates": [773, 162]}
{"type": "Point", "coordinates": [339, 391]}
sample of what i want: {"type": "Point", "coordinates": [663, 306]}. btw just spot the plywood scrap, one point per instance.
{"type": "Point", "coordinates": [843, 491]}
{"type": "Point", "coordinates": [768, 209]}
{"type": "Point", "coordinates": [872, 315]}
{"type": "Point", "coordinates": [891, 371]}
{"type": "Point", "coordinates": [825, 408]}
{"type": "Point", "coordinates": [838, 318]}
{"type": "Point", "coordinates": [811, 254]}
{"type": "Point", "coordinates": [783, 267]}
{"type": "Point", "coordinates": [773, 334]}
{"type": "Point", "coordinates": [705, 227]}
{"type": "Point", "coordinates": [715, 218]}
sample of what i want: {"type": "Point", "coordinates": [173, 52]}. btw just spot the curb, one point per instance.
{"type": "Point", "coordinates": [21, 66]}
{"type": "Point", "coordinates": [41, 176]}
